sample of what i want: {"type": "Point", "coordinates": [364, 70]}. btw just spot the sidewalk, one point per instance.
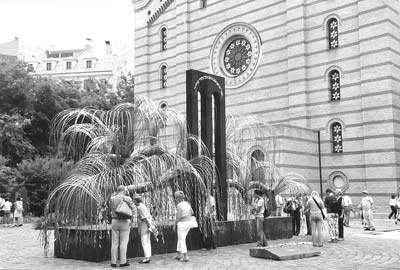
{"type": "Point", "coordinates": [21, 249]}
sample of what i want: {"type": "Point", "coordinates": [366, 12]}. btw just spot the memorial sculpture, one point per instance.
{"type": "Point", "coordinates": [155, 152]}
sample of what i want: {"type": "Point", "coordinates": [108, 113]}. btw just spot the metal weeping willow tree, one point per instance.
{"type": "Point", "coordinates": [247, 172]}
{"type": "Point", "coordinates": [137, 144]}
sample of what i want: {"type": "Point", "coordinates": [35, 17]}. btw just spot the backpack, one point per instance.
{"type": "Point", "coordinates": [335, 205]}
{"type": "Point", "coordinates": [288, 207]}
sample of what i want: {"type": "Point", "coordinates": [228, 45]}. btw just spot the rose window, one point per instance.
{"type": "Point", "coordinates": [237, 56]}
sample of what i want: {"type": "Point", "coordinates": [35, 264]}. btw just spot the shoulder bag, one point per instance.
{"type": "Point", "coordinates": [322, 212]}
{"type": "Point", "coordinates": [123, 210]}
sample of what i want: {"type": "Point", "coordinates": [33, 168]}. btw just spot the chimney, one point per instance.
{"type": "Point", "coordinates": [88, 45]}
{"type": "Point", "coordinates": [108, 47]}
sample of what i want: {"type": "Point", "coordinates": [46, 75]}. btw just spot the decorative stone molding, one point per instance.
{"type": "Point", "coordinates": [327, 18]}
{"type": "Point", "coordinates": [159, 11]}
{"type": "Point", "coordinates": [236, 54]}
{"type": "Point", "coordinates": [333, 120]}
{"type": "Point", "coordinates": [257, 147]}
{"type": "Point", "coordinates": [332, 68]}
{"type": "Point", "coordinates": [337, 180]}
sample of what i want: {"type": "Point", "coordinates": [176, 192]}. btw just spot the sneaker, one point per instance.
{"type": "Point", "coordinates": [145, 261]}
{"type": "Point", "coordinates": [372, 229]}
{"type": "Point", "coordinates": [367, 229]}
{"type": "Point", "coordinates": [124, 264]}
{"type": "Point", "coordinates": [113, 265]}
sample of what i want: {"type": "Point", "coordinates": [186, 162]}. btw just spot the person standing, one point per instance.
{"type": "Point", "coordinates": [347, 207]}
{"type": "Point", "coordinates": [398, 210]}
{"type": "Point", "coordinates": [279, 205]}
{"type": "Point", "coordinates": [258, 211]}
{"type": "Point", "coordinates": [332, 215]}
{"type": "Point", "coordinates": [2, 201]}
{"type": "Point", "coordinates": [367, 205]}
{"type": "Point", "coordinates": [210, 217]}
{"type": "Point", "coordinates": [18, 212]}
{"type": "Point", "coordinates": [293, 208]}
{"type": "Point", "coordinates": [7, 212]}
{"type": "Point", "coordinates": [340, 213]}
{"type": "Point", "coordinates": [184, 221]}
{"type": "Point", "coordinates": [306, 213]}
{"type": "Point", "coordinates": [120, 228]}
{"type": "Point", "coordinates": [315, 207]}
{"type": "Point", "coordinates": [393, 208]}
{"type": "Point", "coordinates": [144, 224]}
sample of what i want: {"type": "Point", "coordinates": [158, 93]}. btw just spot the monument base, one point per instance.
{"type": "Point", "coordinates": [94, 245]}
{"type": "Point", "coordinates": [282, 253]}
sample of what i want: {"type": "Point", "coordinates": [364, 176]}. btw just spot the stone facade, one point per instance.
{"type": "Point", "coordinates": [291, 84]}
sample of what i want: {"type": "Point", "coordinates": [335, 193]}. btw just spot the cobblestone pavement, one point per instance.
{"type": "Point", "coordinates": [20, 249]}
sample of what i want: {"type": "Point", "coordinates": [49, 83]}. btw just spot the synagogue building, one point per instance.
{"type": "Point", "coordinates": [324, 73]}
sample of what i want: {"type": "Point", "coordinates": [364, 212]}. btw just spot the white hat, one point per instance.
{"type": "Point", "coordinates": [366, 192]}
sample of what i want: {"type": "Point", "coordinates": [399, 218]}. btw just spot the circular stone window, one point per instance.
{"type": "Point", "coordinates": [236, 54]}
{"type": "Point", "coordinates": [338, 180]}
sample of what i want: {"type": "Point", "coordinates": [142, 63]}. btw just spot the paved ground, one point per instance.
{"type": "Point", "coordinates": [20, 249]}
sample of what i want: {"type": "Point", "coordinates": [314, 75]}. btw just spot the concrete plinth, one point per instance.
{"type": "Point", "coordinates": [290, 252]}
{"type": "Point", "coordinates": [94, 245]}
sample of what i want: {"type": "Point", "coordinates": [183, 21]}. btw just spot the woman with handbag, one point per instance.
{"type": "Point", "coordinates": [184, 222]}
{"type": "Point", "coordinates": [121, 214]}
{"type": "Point", "coordinates": [315, 206]}
{"type": "Point", "coordinates": [144, 225]}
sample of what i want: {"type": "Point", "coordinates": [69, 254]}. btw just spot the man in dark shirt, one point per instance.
{"type": "Point", "coordinates": [332, 217]}
{"type": "Point", "coordinates": [340, 212]}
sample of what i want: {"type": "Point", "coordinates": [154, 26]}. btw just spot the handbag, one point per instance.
{"type": "Point", "coordinates": [123, 210]}
{"type": "Point", "coordinates": [193, 222]}
{"type": "Point", "coordinates": [322, 212]}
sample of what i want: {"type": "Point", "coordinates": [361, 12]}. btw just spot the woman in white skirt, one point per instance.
{"type": "Point", "coordinates": [184, 222]}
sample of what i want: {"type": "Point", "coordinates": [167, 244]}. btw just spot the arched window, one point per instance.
{"type": "Point", "coordinates": [257, 174]}
{"type": "Point", "coordinates": [337, 137]}
{"type": "Point", "coordinates": [163, 36]}
{"type": "Point", "coordinates": [333, 33]}
{"type": "Point", "coordinates": [334, 84]}
{"type": "Point", "coordinates": [163, 76]}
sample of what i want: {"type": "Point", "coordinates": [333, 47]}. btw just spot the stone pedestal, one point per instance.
{"type": "Point", "coordinates": [289, 252]}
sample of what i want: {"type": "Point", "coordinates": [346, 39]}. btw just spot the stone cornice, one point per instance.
{"type": "Point", "coordinates": [159, 11]}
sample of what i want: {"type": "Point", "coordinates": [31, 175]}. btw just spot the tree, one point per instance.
{"type": "Point", "coordinates": [15, 82]}
{"type": "Point", "coordinates": [8, 177]}
{"type": "Point", "coordinates": [13, 143]}
{"type": "Point", "coordinates": [39, 176]}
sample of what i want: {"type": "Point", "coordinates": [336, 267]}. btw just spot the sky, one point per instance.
{"type": "Point", "coordinates": [66, 24]}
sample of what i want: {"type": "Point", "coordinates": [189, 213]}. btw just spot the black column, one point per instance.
{"type": "Point", "coordinates": [209, 86]}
